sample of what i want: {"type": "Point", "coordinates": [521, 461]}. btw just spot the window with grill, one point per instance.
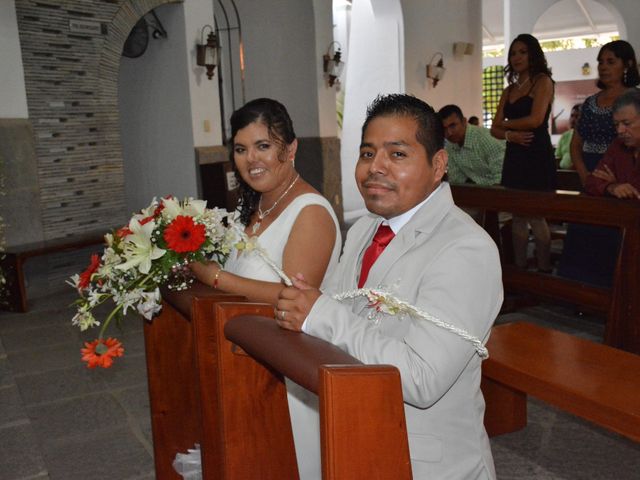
{"type": "Point", "coordinates": [492, 86]}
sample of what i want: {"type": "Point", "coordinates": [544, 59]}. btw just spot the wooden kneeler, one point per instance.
{"type": "Point", "coordinates": [363, 429]}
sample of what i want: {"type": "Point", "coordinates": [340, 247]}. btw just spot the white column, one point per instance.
{"type": "Point", "coordinates": [376, 66]}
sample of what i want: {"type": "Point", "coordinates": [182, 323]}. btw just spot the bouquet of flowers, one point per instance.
{"type": "Point", "coordinates": [153, 250]}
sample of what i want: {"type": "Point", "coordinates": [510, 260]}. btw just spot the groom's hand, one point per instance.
{"type": "Point", "coordinates": [295, 303]}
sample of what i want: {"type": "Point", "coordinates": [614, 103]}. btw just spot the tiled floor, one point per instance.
{"type": "Point", "coordinates": [61, 421]}
{"type": "Point", "coordinates": [58, 419]}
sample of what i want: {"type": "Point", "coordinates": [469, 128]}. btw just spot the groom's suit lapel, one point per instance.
{"type": "Point", "coordinates": [417, 230]}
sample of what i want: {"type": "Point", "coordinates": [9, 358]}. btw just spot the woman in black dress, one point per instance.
{"type": "Point", "coordinates": [522, 119]}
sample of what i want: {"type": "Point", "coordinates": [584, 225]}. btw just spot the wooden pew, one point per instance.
{"type": "Point", "coordinates": [205, 390]}
{"type": "Point", "coordinates": [362, 424]}
{"type": "Point", "coordinates": [621, 303]}
{"type": "Point", "coordinates": [175, 372]}
{"type": "Point", "coordinates": [593, 381]}
{"type": "Point", "coordinates": [13, 259]}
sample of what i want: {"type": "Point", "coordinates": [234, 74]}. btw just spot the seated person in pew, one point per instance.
{"type": "Point", "coordinates": [474, 155]}
{"type": "Point", "coordinates": [290, 219]}
{"type": "Point", "coordinates": [422, 249]}
{"type": "Point", "coordinates": [618, 172]}
{"type": "Point", "coordinates": [563, 149]}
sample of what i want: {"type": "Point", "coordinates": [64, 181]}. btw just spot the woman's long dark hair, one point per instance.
{"type": "Point", "coordinates": [276, 118]}
{"type": "Point", "coordinates": [624, 51]}
{"type": "Point", "coordinates": [537, 60]}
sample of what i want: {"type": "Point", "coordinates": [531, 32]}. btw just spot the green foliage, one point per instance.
{"type": "Point", "coordinates": [556, 45]}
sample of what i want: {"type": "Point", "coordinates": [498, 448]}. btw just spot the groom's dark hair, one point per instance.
{"type": "Point", "coordinates": [430, 130]}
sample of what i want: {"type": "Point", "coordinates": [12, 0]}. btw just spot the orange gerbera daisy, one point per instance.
{"type": "Point", "coordinates": [182, 235]}
{"type": "Point", "coordinates": [100, 352]}
{"type": "Point", "coordinates": [85, 277]}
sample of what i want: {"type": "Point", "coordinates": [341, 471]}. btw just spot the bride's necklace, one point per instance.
{"type": "Point", "coordinates": [261, 214]}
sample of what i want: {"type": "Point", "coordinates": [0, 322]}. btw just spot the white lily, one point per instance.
{"type": "Point", "coordinates": [171, 209]}
{"type": "Point", "coordinates": [148, 212]}
{"type": "Point", "coordinates": [138, 249]}
{"type": "Point", "coordinates": [190, 207]}
{"type": "Point", "coordinates": [194, 208]}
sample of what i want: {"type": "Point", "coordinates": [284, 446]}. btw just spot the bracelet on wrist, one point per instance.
{"type": "Point", "coordinates": [216, 277]}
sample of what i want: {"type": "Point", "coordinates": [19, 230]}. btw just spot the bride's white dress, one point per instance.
{"type": "Point", "coordinates": [303, 405]}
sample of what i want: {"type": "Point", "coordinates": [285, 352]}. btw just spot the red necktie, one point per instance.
{"type": "Point", "coordinates": [380, 240]}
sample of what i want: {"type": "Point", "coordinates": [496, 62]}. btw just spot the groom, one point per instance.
{"type": "Point", "coordinates": [416, 243]}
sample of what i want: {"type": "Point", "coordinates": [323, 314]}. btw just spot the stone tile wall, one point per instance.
{"type": "Point", "coordinates": [72, 86]}
{"type": "Point", "coordinates": [20, 203]}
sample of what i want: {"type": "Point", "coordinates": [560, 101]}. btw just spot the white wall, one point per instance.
{"type": "Point", "coordinates": [280, 58]}
{"type": "Point", "coordinates": [13, 97]}
{"type": "Point", "coordinates": [326, 95]}
{"type": "Point", "coordinates": [432, 27]}
{"type": "Point", "coordinates": [203, 96]}
{"type": "Point", "coordinates": [155, 117]}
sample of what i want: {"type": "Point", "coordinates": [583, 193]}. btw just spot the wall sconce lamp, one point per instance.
{"type": "Point", "coordinates": [207, 53]}
{"type": "Point", "coordinates": [586, 68]}
{"type": "Point", "coordinates": [435, 69]}
{"type": "Point", "coordinates": [332, 64]}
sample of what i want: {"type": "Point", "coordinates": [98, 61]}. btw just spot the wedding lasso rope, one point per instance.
{"type": "Point", "coordinates": [394, 305]}
{"type": "Point", "coordinates": [377, 298]}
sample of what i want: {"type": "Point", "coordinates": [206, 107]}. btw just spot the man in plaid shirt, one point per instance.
{"type": "Point", "coordinates": [474, 155]}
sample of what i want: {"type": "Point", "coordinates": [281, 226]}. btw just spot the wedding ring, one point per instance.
{"type": "Point", "coordinates": [282, 314]}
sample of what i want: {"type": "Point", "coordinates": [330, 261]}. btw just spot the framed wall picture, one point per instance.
{"type": "Point", "coordinates": [567, 94]}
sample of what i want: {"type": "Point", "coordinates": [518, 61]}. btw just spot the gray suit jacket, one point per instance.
{"type": "Point", "coordinates": [442, 262]}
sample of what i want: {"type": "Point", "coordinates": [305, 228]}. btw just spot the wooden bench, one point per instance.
{"type": "Point", "coordinates": [593, 381]}
{"type": "Point", "coordinates": [204, 389]}
{"type": "Point", "coordinates": [14, 258]}
{"type": "Point", "coordinates": [621, 303]}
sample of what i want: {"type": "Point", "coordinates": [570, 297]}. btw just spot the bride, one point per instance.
{"type": "Point", "coordinates": [295, 225]}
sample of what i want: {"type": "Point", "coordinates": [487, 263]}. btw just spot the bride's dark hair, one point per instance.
{"type": "Point", "coordinates": [275, 117]}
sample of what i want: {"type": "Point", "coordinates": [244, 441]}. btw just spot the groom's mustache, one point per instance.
{"type": "Point", "coordinates": [376, 181]}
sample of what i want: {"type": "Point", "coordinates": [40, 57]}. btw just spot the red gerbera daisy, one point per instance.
{"type": "Point", "coordinates": [182, 235]}
{"type": "Point", "coordinates": [100, 352]}
{"type": "Point", "coordinates": [85, 277]}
